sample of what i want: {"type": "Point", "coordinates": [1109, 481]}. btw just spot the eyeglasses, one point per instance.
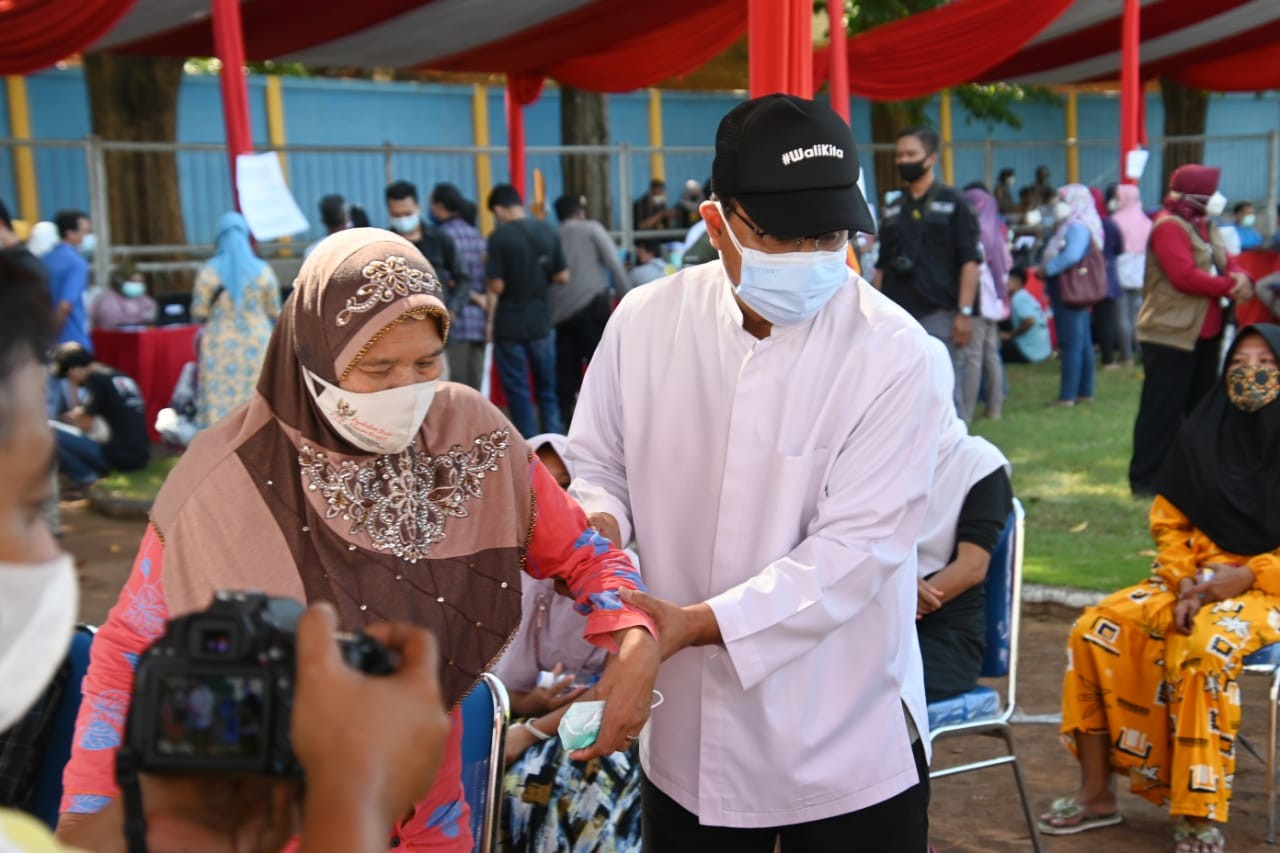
{"type": "Point", "coordinates": [830, 241]}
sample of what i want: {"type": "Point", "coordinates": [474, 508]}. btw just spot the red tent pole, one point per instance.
{"type": "Point", "coordinates": [228, 41]}
{"type": "Point", "coordinates": [515, 138]}
{"type": "Point", "coordinates": [839, 59]}
{"type": "Point", "coordinates": [1130, 84]}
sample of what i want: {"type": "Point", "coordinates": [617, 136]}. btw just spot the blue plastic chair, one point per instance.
{"type": "Point", "coordinates": [62, 726]}
{"type": "Point", "coordinates": [485, 713]}
{"type": "Point", "coordinates": [1266, 661]}
{"type": "Point", "coordinates": [982, 711]}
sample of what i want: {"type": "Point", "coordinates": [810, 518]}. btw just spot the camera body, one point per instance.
{"type": "Point", "coordinates": [215, 693]}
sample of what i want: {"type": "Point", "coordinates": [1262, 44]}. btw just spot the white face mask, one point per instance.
{"type": "Point", "coordinates": [1113, 205]}
{"type": "Point", "coordinates": [1216, 204]}
{"type": "Point", "coordinates": [789, 287]}
{"type": "Point", "coordinates": [1061, 211]}
{"type": "Point", "coordinates": [1248, 220]}
{"type": "Point", "coordinates": [38, 606]}
{"type": "Point", "coordinates": [407, 223]}
{"type": "Point", "coordinates": [376, 421]}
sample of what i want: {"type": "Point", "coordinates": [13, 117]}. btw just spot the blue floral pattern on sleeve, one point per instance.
{"type": "Point", "coordinates": [447, 818]}
{"type": "Point", "coordinates": [105, 725]}
{"type": "Point", "coordinates": [87, 804]}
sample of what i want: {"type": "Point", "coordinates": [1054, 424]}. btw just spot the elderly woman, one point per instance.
{"type": "Point", "coordinates": [1150, 688]}
{"type": "Point", "coordinates": [354, 476]}
{"type": "Point", "coordinates": [1079, 231]}
{"type": "Point", "coordinates": [553, 803]}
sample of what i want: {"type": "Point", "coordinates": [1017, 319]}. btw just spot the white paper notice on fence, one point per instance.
{"type": "Point", "coordinates": [265, 200]}
{"type": "Point", "coordinates": [1135, 163]}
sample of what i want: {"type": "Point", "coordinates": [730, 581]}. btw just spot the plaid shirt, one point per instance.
{"type": "Point", "coordinates": [470, 324]}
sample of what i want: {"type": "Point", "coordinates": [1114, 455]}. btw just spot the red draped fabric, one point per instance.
{"type": "Point", "coordinates": [1255, 69]}
{"type": "Point", "coordinates": [838, 57]}
{"type": "Point", "coordinates": [780, 47]}
{"type": "Point", "coordinates": [235, 92]}
{"type": "Point", "coordinates": [947, 46]}
{"type": "Point", "coordinates": [521, 89]}
{"type": "Point", "coordinates": [613, 45]}
{"type": "Point", "coordinates": [37, 33]}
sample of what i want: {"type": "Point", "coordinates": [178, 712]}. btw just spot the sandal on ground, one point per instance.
{"type": "Point", "coordinates": [1067, 817]}
{"type": "Point", "coordinates": [1205, 838]}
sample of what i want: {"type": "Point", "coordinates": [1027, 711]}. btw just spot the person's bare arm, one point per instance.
{"type": "Point", "coordinates": [965, 572]}
{"type": "Point", "coordinates": [877, 280]}
{"type": "Point", "coordinates": [561, 277]}
{"type": "Point", "coordinates": [61, 313]}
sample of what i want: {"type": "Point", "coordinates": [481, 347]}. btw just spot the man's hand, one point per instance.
{"type": "Point", "coordinates": [1228, 581]}
{"type": "Point", "coordinates": [544, 700]}
{"type": "Point", "coordinates": [1242, 291]}
{"type": "Point", "coordinates": [607, 526]}
{"type": "Point", "coordinates": [626, 687]}
{"type": "Point", "coordinates": [961, 330]}
{"type": "Point", "coordinates": [928, 598]}
{"type": "Point", "coordinates": [678, 627]}
{"type": "Point", "coordinates": [374, 740]}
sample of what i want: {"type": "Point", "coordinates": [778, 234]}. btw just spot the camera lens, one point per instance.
{"type": "Point", "coordinates": [215, 641]}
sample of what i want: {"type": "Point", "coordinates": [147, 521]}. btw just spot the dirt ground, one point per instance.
{"type": "Point", "coordinates": [971, 812]}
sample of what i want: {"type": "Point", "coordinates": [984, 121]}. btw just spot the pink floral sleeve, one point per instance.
{"type": "Point", "coordinates": [566, 547]}
{"type": "Point", "coordinates": [135, 622]}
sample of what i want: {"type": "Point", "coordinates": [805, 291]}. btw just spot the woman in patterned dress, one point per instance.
{"type": "Point", "coordinates": [238, 298]}
{"type": "Point", "coordinates": [354, 477]}
{"type": "Point", "coordinates": [551, 802]}
{"type": "Point", "coordinates": [1150, 688]}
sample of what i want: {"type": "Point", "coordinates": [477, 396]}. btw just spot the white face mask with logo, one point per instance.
{"type": "Point", "coordinates": [384, 422]}
{"type": "Point", "coordinates": [1216, 204]}
{"type": "Point", "coordinates": [38, 605]}
{"type": "Point", "coordinates": [788, 287]}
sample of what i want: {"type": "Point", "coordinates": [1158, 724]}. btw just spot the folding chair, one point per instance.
{"type": "Point", "coordinates": [981, 711]}
{"type": "Point", "coordinates": [62, 726]}
{"type": "Point", "coordinates": [485, 712]}
{"type": "Point", "coordinates": [1266, 661]}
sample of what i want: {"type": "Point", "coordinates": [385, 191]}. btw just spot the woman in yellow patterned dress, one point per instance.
{"type": "Point", "coordinates": [1150, 688]}
{"type": "Point", "coordinates": [238, 295]}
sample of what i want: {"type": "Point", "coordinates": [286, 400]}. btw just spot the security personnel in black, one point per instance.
{"type": "Point", "coordinates": [929, 255]}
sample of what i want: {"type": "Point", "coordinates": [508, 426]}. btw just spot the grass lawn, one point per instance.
{"type": "Point", "coordinates": [141, 485]}
{"type": "Point", "coordinates": [1070, 470]}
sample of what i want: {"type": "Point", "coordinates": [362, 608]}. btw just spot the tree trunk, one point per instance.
{"type": "Point", "coordinates": [1186, 112]}
{"type": "Point", "coordinates": [135, 99]}
{"type": "Point", "coordinates": [584, 120]}
{"type": "Point", "coordinates": [888, 118]}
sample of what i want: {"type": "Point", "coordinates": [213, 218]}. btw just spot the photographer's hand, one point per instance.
{"type": "Point", "coordinates": [370, 745]}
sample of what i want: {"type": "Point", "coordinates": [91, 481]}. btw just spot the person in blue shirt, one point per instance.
{"type": "Point", "coordinates": [69, 278]}
{"type": "Point", "coordinates": [1246, 226]}
{"type": "Point", "coordinates": [1028, 341]}
{"type": "Point", "coordinates": [1078, 228]}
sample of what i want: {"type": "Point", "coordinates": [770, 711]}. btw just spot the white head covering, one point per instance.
{"type": "Point", "coordinates": [963, 460]}
{"type": "Point", "coordinates": [42, 239]}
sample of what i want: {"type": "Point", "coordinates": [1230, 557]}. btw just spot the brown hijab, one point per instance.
{"type": "Point", "coordinates": [272, 498]}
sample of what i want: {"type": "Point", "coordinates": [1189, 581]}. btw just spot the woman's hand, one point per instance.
{"type": "Point", "coordinates": [544, 700]}
{"type": "Point", "coordinates": [1228, 581]}
{"type": "Point", "coordinates": [626, 687]}
{"type": "Point", "coordinates": [1184, 614]}
{"type": "Point", "coordinates": [928, 599]}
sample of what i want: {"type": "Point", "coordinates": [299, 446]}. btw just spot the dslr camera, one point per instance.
{"type": "Point", "coordinates": [215, 693]}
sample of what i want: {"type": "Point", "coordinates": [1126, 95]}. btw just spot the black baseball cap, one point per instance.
{"type": "Point", "coordinates": [791, 164]}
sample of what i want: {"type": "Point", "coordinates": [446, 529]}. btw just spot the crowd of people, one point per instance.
{"type": "Point", "coordinates": [799, 525]}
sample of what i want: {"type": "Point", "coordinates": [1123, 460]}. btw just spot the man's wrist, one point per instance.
{"type": "Point", "coordinates": [706, 630]}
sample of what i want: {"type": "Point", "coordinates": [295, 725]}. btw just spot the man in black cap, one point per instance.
{"type": "Point", "coordinates": [764, 427]}
{"type": "Point", "coordinates": [929, 255]}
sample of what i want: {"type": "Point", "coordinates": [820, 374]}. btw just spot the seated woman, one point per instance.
{"type": "Point", "coordinates": [967, 511]}
{"type": "Point", "coordinates": [553, 803]}
{"type": "Point", "coordinates": [355, 477]}
{"type": "Point", "coordinates": [1150, 688]}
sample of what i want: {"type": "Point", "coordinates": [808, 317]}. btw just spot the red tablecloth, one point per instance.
{"type": "Point", "coordinates": [154, 357]}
